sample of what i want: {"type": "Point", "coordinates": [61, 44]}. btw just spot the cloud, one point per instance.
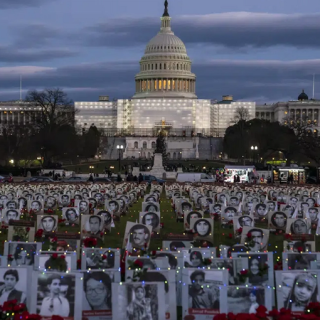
{"type": "Point", "coordinates": [11, 54]}
{"type": "Point", "coordinates": [13, 4]}
{"type": "Point", "coordinates": [260, 81]}
{"type": "Point", "coordinates": [232, 30]}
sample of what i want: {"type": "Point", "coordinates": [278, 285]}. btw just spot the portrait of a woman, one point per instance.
{"type": "Point", "coordinates": [97, 289]}
{"type": "Point", "coordinates": [255, 300]}
{"type": "Point", "coordinates": [140, 307]}
{"type": "Point", "coordinates": [303, 291]}
{"type": "Point", "coordinates": [202, 227]}
{"type": "Point", "coordinates": [195, 260]}
{"type": "Point", "coordinates": [254, 265]}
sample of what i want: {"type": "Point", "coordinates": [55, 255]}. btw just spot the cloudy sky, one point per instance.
{"type": "Point", "coordinates": [255, 50]}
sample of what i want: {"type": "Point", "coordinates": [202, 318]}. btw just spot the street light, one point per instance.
{"type": "Point", "coordinates": [253, 148]}
{"type": "Point", "coordinates": [119, 147]}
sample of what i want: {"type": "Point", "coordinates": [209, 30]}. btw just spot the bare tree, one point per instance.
{"type": "Point", "coordinates": [55, 115]}
{"type": "Point", "coordinates": [241, 114]}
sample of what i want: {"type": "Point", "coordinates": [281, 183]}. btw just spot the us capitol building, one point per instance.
{"type": "Point", "coordinates": [165, 99]}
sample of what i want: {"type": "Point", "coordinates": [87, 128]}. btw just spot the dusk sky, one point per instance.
{"type": "Point", "coordinates": [255, 50]}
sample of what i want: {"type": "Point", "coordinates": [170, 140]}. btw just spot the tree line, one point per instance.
{"type": "Point", "coordinates": [52, 133]}
{"type": "Point", "coordinates": [297, 139]}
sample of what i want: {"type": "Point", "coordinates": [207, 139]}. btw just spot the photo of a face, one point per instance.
{"type": "Point", "coordinates": [22, 203]}
{"type": "Point", "coordinates": [297, 290]}
{"type": "Point", "coordinates": [245, 221]}
{"type": "Point", "coordinates": [48, 223]}
{"type": "Point", "coordinates": [255, 238]}
{"type": "Point", "coordinates": [289, 211]}
{"type": "Point", "coordinates": [299, 226]}
{"type": "Point", "coordinates": [11, 205]}
{"type": "Point", "coordinates": [99, 259]}
{"type": "Point", "coordinates": [300, 261]}
{"type": "Point", "coordinates": [65, 200]}
{"type": "Point", "coordinates": [95, 225]}
{"type": "Point", "coordinates": [107, 217]}
{"type": "Point", "coordinates": [72, 216]}
{"type": "Point", "coordinates": [36, 206]}
{"type": "Point", "coordinates": [83, 207]}
{"type": "Point", "coordinates": [261, 210]}
{"type": "Point", "coordinates": [217, 209]}
{"type": "Point", "coordinates": [23, 253]}
{"type": "Point", "coordinates": [11, 215]}
{"type": "Point", "coordinates": [151, 219]}
{"type": "Point", "coordinates": [51, 202]}
{"type": "Point", "coordinates": [279, 220]}
{"type": "Point", "coordinates": [151, 208]}
{"type": "Point", "coordinates": [139, 235]}
{"type": "Point", "coordinates": [229, 213]}
{"type": "Point", "coordinates": [271, 206]}
{"type": "Point", "coordinates": [313, 214]}
{"type": "Point", "coordinates": [113, 206]}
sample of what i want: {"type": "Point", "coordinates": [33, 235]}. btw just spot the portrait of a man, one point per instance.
{"type": "Point", "coordinates": [261, 209]}
{"type": "Point", "coordinates": [245, 221]}
{"type": "Point", "coordinates": [83, 207]}
{"type": "Point", "coordinates": [71, 215]}
{"type": "Point", "coordinates": [65, 200]}
{"type": "Point", "coordinates": [234, 201]}
{"type": "Point", "coordinates": [11, 205]}
{"type": "Point", "coordinates": [313, 214]}
{"type": "Point", "coordinates": [216, 209]}
{"type": "Point", "coordinates": [139, 236]}
{"type": "Point", "coordinates": [107, 217]}
{"type": "Point", "coordinates": [36, 206]}
{"type": "Point", "coordinates": [48, 223]}
{"type": "Point", "coordinates": [93, 202]}
{"type": "Point", "coordinates": [186, 207]}
{"type": "Point", "coordinates": [51, 202]}
{"type": "Point", "coordinates": [257, 240]}
{"type": "Point", "coordinates": [8, 291]}
{"type": "Point", "coordinates": [113, 206]}
{"type": "Point", "coordinates": [11, 215]}
{"type": "Point", "coordinates": [95, 225]}
{"type": "Point", "coordinates": [23, 203]}
{"type": "Point", "coordinates": [229, 213]}
{"type": "Point", "coordinates": [271, 206]}
{"type": "Point", "coordinates": [151, 219]}
{"type": "Point", "coordinates": [202, 296]}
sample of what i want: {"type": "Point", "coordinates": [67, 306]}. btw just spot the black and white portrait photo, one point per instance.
{"type": "Point", "coordinates": [92, 225]}
{"type": "Point", "coordinates": [14, 285]}
{"type": "Point", "coordinates": [64, 200]}
{"type": "Point", "coordinates": [277, 220]}
{"type": "Point", "coordinates": [107, 218]}
{"type": "Point", "coordinates": [247, 300]}
{"type": "Point", "coordinates": [256, 263]}
{"type": "Point", "coordinates": [313, 214]}
{"type": "Point", "coordinates": [296, 289]}
{"type": "Point", "coordinates": [173, 258]}
{"type": "Point", "coordinates": [23, 203]}
{"type": "Point", "coordinates": [138, 300]}
{"type": "Point", "coordinates": [56, 294]}
{"type": "Point", "coordinates": [93, 203]}
{"type": "Point", "coordinates": [168, 278]}
{"type": "Point", "coordinates": [298, 226]}
{"type": "Point", "coordinates": [150, 207]}
{"type": "Point", "coordinates": [234, 201]}
{"type": "Point", "coordinates": [100, 259]}
{"type": "Point", "coordinates": [261, 210]}
{"type": "Point", "coordinates": [299, 246]}
{"type": "Point", "coordinates": [151, 219]}
{"type": "Point", "coordinates": [47, 223]}
{"type": "Point", "coordinates": [243, 221]}
{"type": "Point", "coordinates": [137, 236]}
{"type": "Point", "coordinates": [112, 206]}
{"type": "Point", "coordinates": [191, 215]}
{"type": "Point", "coordinates": [97, 297]}
{"type": "Point", "coordinates": [271, 206]}
{"type": "Point", "coordinates": [255, 239]}
{"type": "Point", "coordinates": [228, 214]}
{"type": "Point", "coordinates": [83, 207]}
{"type": "Point", "coordinates": [203, 228]}
{"type": "Point", "coordinates": [234, 266]}
{"type": "Point", "coordinates": [10, 214]}
{"type": "Point", "coordinates": [202, 290]}
{"type": "Point", "coordinates": [11, 205]}
{"type": "Point", "coordinates": [22, 253]}
{"type": "Point", "coordinates": [48, 260]}
{"type": "Point", "coordinates": [51, 202]}
{"type": "Point", "coordinates": [36, 206]}
{"type": "Point", "coordinates": [20, 233]}
{"type": "Point", "coordinates": [298, 261]}
{"type": "Point", "coordinates": [70, 215]}
{"type": "Point", "coordinates": [194, 258]}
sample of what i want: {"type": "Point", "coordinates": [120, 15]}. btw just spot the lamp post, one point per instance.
{"type": "Point", "coordinates": [119, 147]}
{"type": "Point", "coordinates": [253, 148]}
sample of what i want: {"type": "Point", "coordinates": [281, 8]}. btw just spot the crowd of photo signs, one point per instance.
{"type": "Point", "coordinates": [189, 271]}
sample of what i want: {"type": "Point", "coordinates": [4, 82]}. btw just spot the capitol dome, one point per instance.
{"type": "Point", "coordinates": [165, 68]}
